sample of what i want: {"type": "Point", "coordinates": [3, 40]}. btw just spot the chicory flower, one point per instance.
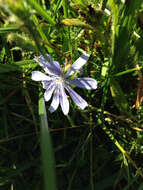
{"type": "Point", "coordinates": [56, 82]}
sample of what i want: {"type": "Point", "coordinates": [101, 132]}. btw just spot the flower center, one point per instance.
{"type": "Point", "coordinates": [59, 80]}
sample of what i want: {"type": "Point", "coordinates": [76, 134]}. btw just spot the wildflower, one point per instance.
{"type": "Point", "coordinates": [55, 82]}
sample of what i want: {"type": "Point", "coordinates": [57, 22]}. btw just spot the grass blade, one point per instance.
{"type": "Point", "coordinates": [8, 29]}
{"type": "Point", "coordinates": [41, 11]}
{"type": "Point", "coordinates": [46, 148]}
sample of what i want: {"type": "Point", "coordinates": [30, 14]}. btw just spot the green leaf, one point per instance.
{"type": "Point", "coordinates": [123, 26]}
{"type": "Point", "coordinates": [46, 148]}
{"type": "Point", "coordinates": [80, 3]}
{"type": "Point", "coordinates": [41, 11]}
{"type": "Point", "coordinates": [119, 98]}
{"type": "Point", "coordinates": [8, 67]}
{"type": "Point", "coordinates": [9, 28]}
{"type": "Point", "coordinates": [17, 66]}
{"type": "Point", "coordinates": [42, 33]}
{"type": "Point", "coordinates": [127, 71]}
{"type": "Point", "coordinates": [105, 68]}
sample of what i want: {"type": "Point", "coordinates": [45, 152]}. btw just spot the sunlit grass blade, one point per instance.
{"type": "Point", "coordinates": [8, 29]}
{"type": "Point", "coordinates": [41, 11]}
{"type": "Point", "coordinates": [46, 148]}
{"type": "Point", "coordinates": [42, 34]}
{"type": "Point", "coordinates": [127, 71]}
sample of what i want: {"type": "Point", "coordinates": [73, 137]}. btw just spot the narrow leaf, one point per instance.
{"type": "Point", "coordinates": [17, 66]}
{"type": "Point", "coordinates": [41, 11]}
{"type": "Point", "coordinates": [119, 98]}
{"type": "Point", "coordinates": [9, 28]}
{"type": "Point", "coordinates": [46, 148]}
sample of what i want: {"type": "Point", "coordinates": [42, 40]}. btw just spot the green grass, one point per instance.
{"type": "Point", "coordinates": [100, 147]}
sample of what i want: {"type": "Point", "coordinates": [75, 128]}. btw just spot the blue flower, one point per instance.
{"type": "Point", "coordinates": [56, 83]}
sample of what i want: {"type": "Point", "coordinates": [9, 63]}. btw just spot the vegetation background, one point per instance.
{"type": "Point", "coordinates": [100, 147]}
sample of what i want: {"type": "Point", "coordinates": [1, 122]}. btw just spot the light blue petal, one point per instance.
{"type": "Point", "coordinates": [39, 76]}
{"type": "Point", "coordinates": [64, 100]}
{"type": "Point", "coordinates": [87, 83]}
{"type": "Point", "coordinates": [46, 83]}
{"type": "Point", "coordinates": [55, 102]}
{"type": "Point", "coordinates": [78, 64]}
{"type": "Point", "coordinates": [51, 67]}
{"type": "Point", "coordinates": [49, 91]}
{"type": "Point", "coordinates": [78, 100]}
